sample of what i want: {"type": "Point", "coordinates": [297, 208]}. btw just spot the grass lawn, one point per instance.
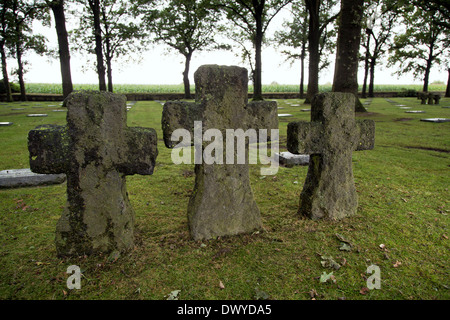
{"type": "Point", "coordinates": [401, 225]}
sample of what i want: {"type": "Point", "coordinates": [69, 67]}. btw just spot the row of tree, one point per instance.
{"type": "Point", "coordinates": [414, 34]}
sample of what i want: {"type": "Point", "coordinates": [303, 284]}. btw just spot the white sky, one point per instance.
{"type": "Point", "coordinates": [159, 67]}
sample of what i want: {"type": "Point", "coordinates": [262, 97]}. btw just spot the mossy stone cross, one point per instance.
{"type": "Point", "coordinates": [330, 138]}
{"type": "Point", "coordinates": [222, 201]}
{"type": "Point", "coordinates": [96, 150]}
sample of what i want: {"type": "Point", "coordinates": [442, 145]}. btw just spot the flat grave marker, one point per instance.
{"type": "Point", "coordinates": [289, 159]}
{"type": "Point", "coordinates": [16, 178]}
{"type": "Point", "coordinates": [37, 115]}
{"type": "Point", "coordinates": [436, 120]}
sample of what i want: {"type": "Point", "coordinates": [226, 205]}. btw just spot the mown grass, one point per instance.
{"type": "Point", "coordinates": [403, 203]}
{"type": "Point", "coordinates": [55, 88]}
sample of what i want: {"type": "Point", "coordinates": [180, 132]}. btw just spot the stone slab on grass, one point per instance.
{"type": "Point", "coordinates": [16, 178]}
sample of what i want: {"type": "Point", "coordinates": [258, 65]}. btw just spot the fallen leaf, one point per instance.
{"type": "Point", "coordinates": [444, 236]}
{"type": "Point", "coordinates": [325, 277]}
{"type": "Point", "coordinates": [397, 264]}
{"type": "Point", "coordinates": [328, 262]}
{"type": "Point", "coordinates": [260, 295]}
{"type": "Point", "coordinates": [221, 286]}
{"type": "Point", "coordinates": [342, 238]}
{"type": "Point", "coordinates": [345, 247]}
{"type": "Point", "coordinates": [313, 293]}
{"type": "Point", "coordinates": [364, 290]}
{"type": "Point", "coordinates": [114, 256]}
{"type": "Point", "coordinates": [173, 295]}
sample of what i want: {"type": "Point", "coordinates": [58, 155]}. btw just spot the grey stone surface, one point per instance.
{"type": "Point", "coordinates": [436, 120]}
{"type": "Point", "coordinates": [284, 115]}
{"type": "Point", "coordinates": [37, 115]}
{"type": "Point", "coordinates": [330, 138]}
{"type": "Point", "coordinates": [96, 150]}
{"type": "Point", "coordinates": [289, 159]}
{"type": "Point", "coordinates": [222, 202]}
{"type": "Point", "coordinates": [16, 178]}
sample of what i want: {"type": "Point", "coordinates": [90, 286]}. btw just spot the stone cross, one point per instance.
{"type": "Point", "coordinates": [96, 150]}
{"type": "Point", "coordinates": [222, 202]}
{"type": "Point", "coordinates": [330, 138]}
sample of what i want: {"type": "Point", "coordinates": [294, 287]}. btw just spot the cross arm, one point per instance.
{"type": "Point", "coordinates": [179, 115]}
{"type": "Point", "coordinates": [139, 152]}
{"type": "Point", "coordinates": [48, 147]}
{"type": "Point", "coordinates": [367, 134]}
{"type": "Point", "coordinates": [304, 137]}
{"type": "Point", "coordinates": [261, 115]}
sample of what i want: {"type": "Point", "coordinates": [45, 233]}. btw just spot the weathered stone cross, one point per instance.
{"type": "Point", "coordinates": [331, 137]}
{"type": "Point", "coordinates": [96, 150]}
{"type": "Point", "coordinates": [222, 202]}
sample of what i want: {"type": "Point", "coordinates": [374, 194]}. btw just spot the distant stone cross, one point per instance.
{"type": "Point", "coordinates": [96, 150]}
{"type": "Point", "coordinates": [331, 137]}
{"type": "Point", "coordinates": [222, 202]}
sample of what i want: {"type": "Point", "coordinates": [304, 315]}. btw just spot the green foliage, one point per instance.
{"type": "Point", "coordinates": [123, 35]}
{"type": "Point", "coordinates": [423, 44]}
{"type": "Point", "coordinates": [14, 87]}
{"type": "Point", "coordinates": [55, 88]}
{"type": "Point", "coordinates": [183, 25]}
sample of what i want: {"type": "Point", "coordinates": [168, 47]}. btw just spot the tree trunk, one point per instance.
{"type": "Point", "coordinates": [372, 77]}
{"type": "Point", "coordinates": [109, 73]}
{"type": "Point", "coordinates": [302, 74]}
{"type": "Point", "coordinates": [187, 85]}
{"type": "Point", "coordinates": [23, 94]}
{"type": "Point", "coordinates": [349, 37]}
{"type": "Point", "coordinates": [95, 7]}
{"type": "Point", "coordinates": [259, 35]}
{"type": "Point", "coordinates": [108, 53]}
{"type": "Point", "coordinates": [63, 44]}
{"type": "Point", "coordinates": [5, 73]}
{"type": "Point", "coordinates": [447, 92]}
{"type": "Point", "coordinates": [3, 54]}
{"type": "Point", "coordinates": [313, 7]}
{"type": "Point", "coordinates": [366, 64]}
{"type": "Point", "coordinates": [426, 76]}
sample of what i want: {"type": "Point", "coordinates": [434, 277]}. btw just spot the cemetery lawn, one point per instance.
{"type": "Point", "coordinates": [401, 224]}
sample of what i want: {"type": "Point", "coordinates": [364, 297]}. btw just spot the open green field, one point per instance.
{"type": "Point", "coordinates": [401, 225]}
{"type": "Point", "coordinates": [55, 88]}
